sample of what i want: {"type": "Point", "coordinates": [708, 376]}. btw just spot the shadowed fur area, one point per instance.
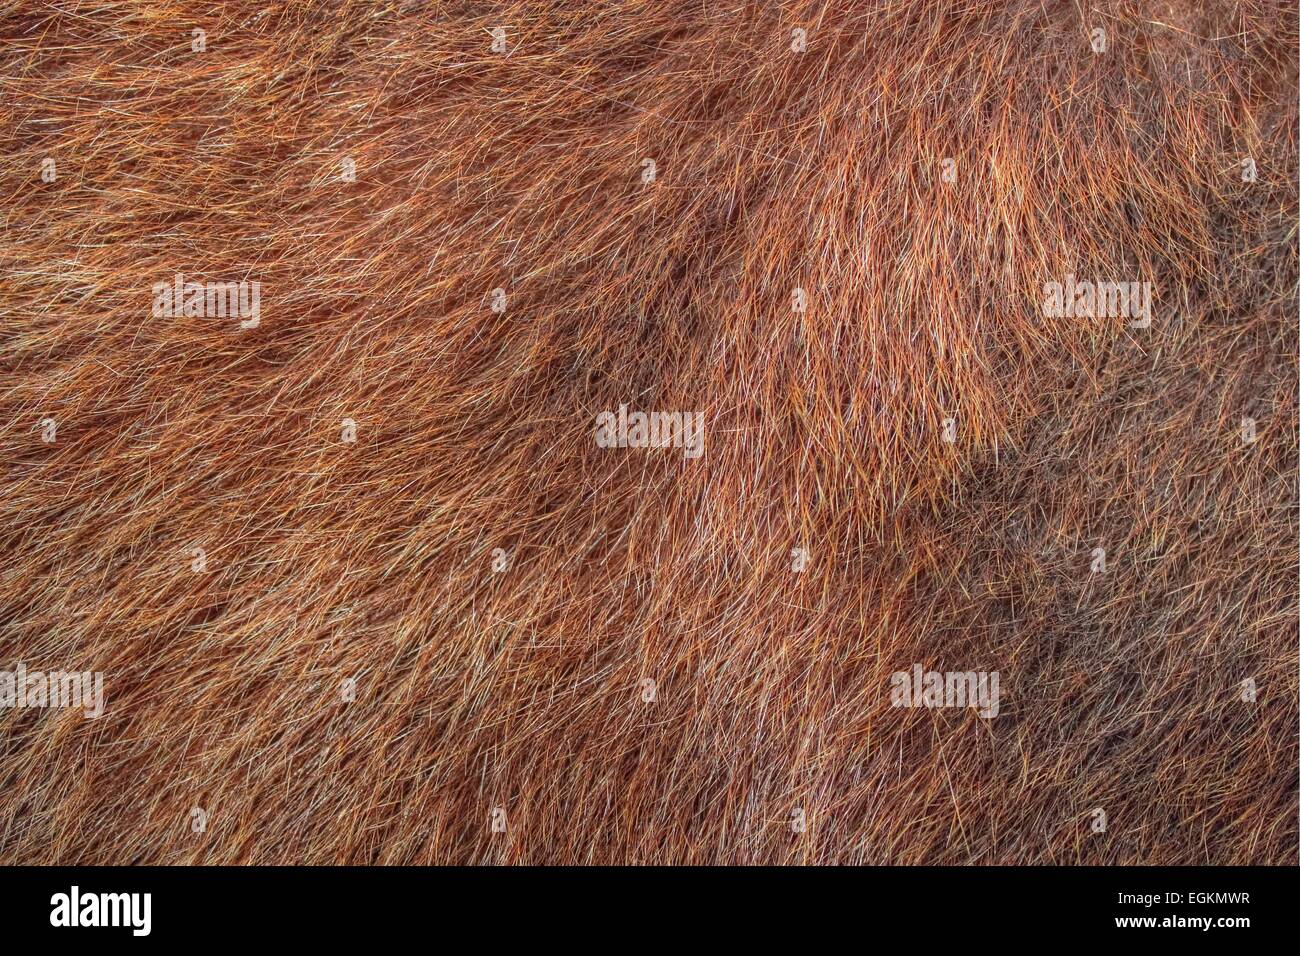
{"type": "Point", "coordinates": [363, 587]}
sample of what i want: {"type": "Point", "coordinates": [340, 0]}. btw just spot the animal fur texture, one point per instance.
{"type": "Point", "coordinates": [362, 585]}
